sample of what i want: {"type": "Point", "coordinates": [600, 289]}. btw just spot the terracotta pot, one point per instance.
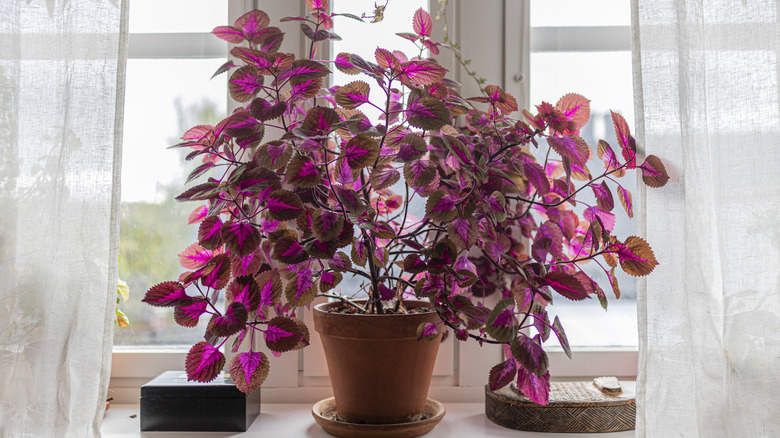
{"type": "Point", "coordinates": [379, 371]}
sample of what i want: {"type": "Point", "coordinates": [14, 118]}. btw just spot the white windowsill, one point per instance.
{"type": "Point", "coordinates": [463, 420]}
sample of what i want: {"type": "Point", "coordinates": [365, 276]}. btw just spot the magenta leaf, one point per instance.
{"type": "Point", "coordinates": [414, 264]}
{"type": "Point", "coordinates": [326, 225]}
{"type": "Point", "coordinates": [167, 294]}
{"type": "Point", "coordinates": [502, 374]}
{"type": "Point", "coordinates": [229, 34]}
{"type": "Point", "coordinates": [537, 389]}
{"type": "Point", "coordinates": [289, 250]}
{"type": "Point", "coordinates": [419, 173]}
{"type": "Point", "coordinates": [210, 232]}
{"type": "Point", "coordinates": [576, 108]}
{"type": "Point", "coordinates": [231, 322]}
{"type": "Point", "coordinates": [204, 362]}
{"type": "Point", "coordinates": [606, 218]}
{"type": "Point", "coordinates": [344, 64]}
{"type": "Point", "coordinates": [624, 195]}
{"type": "Point", "coordinates": [386, 59]}
{"type": "Point", "coordinates": [216, 272]}
{"type": "Point", "coordinates": [557, 328]}
{"type": "Point", "coordinates": [603, 196]}
{"type": "Point", "coordinates": [636, 257]}
{"type": "Point", "coordinates": [441, 206]}
{"type": "Point", "coordinates": [304, 69]}
{"type": "Point", "coordinates": [427, 332]}
{"type": "Point", "coordinates": [200, 192]}
{"type": "Point", "coordinates": [303, 173]}
{"type": "Point", "coordinates": [282, 334]}
{"type": "Point", "coordinates": [427, 113]}
{"type": "Point", "coordinates": [360, 151]}
{"type": "Point", "coordinates": [529, 353]}
{"type": "Point", "coordinates": [653, 172]}
{"type": "Point", "coordinates": [572, 147]}
{"type": "Point", "coordinates": [422, 73]}
{"type": "Point", "coordinates": [567, 285]}
{"type": "Point", "coordinates": [353, 94]}
{"type": "Point", "coordinates": [284, 205]}
{"type": "Point", "coordinates": [300, 289]}
{"type": "Point", "coordinates": [187, 315]}
{"type": "Point", "coordinates": [241, 237]}
{"type": "Point", "coordinates": [246, 291]}
{"type": "Point", "coordinates": [252, 23]}
{"type": "Point", "coordinates": [463, 232]}
{"type": "Point", "coordinates": [383, 177]}
{"type": "Point", "coordinates": [422, 22]}
{"type": "Point", "coordinates": [195, 256]}
{"type": "Point", "coordinates": [244, 84]}
{"type": "Point", "coordinates": [537, 177]}
{"type": "Point", "coordinates": [500, 325]}
{"type": "Point", "coordinates": [249, 370]}
{"type": "Point", "coordinates": [319, 122]}
{"type": "Point", "coordinates": [329, 280]}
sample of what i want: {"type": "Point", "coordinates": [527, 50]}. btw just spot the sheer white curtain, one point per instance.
{"type": "Point", "coordinates": [706, 79]}
{"type": "Point", "coordinates": [61, 98]}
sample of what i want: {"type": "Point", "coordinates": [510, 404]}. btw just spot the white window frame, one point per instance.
{"type": "Point", "coordinates": [462, 367]}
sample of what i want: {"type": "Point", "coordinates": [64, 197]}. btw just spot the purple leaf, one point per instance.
{"type": "Point", "coordinates": [566, 285]}
{"type": "Point", "coordinates": [422, 73]}
{"type": "Point", "coordinates": [329, 280]}
{"type": "Point", "coordinates": [283, 205]}
{"type": "Point", "coordinates": [303, 69]}
{"type": "Point", "coordinates": [270, 289]}
{"type": "Point", "coordinates": [303, 173]}
{"type": "Point", "coordinates": [572, 147]}
{"type": "Point", "coordinates": [282, 334]}
{"type": "Point", "coordinates": [360, 151]}
{"type": "Point", "coordinates": [419, 173]}
{"type": "Point", "coordinates": [422, 22]}
{"type": "Point", "coordinates": [427, 113]}
{"type": "Point", "coordinates": [603, 196]}
{"type": "Point", "coordinates": [385, 293]}
{"type": "Point", "coordinates": [352, 95]}
{"type": "Point", "coordinates": [528, 352]}
{"type": "Point", "coordinates": [252, 23]}
{"type": "Point", "coordinates": [300, 290]}
{"type": "Point", "coordinates": [502, 374]}
{"type": "Point", "coordinates": [305, 88]}
{"type": "Point", "coordinates": [653, 172]}
{"type": "Point", "coordinates": [344, 64]}
{"type": "Point", "coordinates": [441, 206]}
{"type": "Point", "coordinates": [414, 264]}
{"type": "Point", "coordinates": [537, 389]}
{"type": "Point", "coordinates": [230, 322]}
{"type": "Point", "coordinates": [195, 256]}
{"type": "Point", "coordinates": [537, 177]}
{"type": "Point", "coordinates": [249, 370]}
{"type": "Point", "coordinates": [223, 68]}
{"type": "Point", "coordinates": [427, 332]}
{"type": "Point", "coordinates": [216, 272]}
{"type": "Point", "coordinates": [204, 362]}
{"type": "Point", "coordinates": [229, 34]}
{"type": "Point", "coordinates": [557, 328]}
{"type": "Point", "coordinates": [167, 294]}
{"type": "Point", "coordinates": [319, 121]}
{"type": "Point", "coordinates": [463, 232]}
{"type": "Point", "coordinates": [383, 177]}
{"type": "Point", "coordinates": [187, 315]}
{"type": "Point", "coordinates": [326, 225]}
{"type": "Point", "coordinates": [624, 195]}
{"type": "Point", "coordinates": [246, 291]}
{"type": "Point", "coordinates": [606, 218]}
{"type": "Point", "coordinates": [241, 237]}
{"type": "Point", "coordinates": [288, 250]}
{"type": "Point", "coordinates": [244, 84]}
{"type": "Point", "coordinates": [497, 329]}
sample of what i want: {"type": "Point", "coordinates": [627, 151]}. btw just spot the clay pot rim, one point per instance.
{"type": "Point", "coordinates": [319, 308]}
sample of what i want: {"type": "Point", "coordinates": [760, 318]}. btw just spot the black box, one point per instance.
{"type": "Point", "coordinates": [171, 403]}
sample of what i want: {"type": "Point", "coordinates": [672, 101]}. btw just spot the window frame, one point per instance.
{"type": "Point", "coordinates": [462, 375]}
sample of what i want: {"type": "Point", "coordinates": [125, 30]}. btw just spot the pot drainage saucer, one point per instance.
{"type": "Point", "coordinates": [324, 412]}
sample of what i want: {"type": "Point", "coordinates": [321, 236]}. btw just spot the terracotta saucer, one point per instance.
{"type": "Point", "coordinates": [323, 412]}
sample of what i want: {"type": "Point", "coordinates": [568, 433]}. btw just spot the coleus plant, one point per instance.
{"type": "Point", "coordinates": [302, 188]}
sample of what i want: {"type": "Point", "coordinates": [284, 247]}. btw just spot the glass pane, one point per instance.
{"type": "Point", "coordinates": [580, 13]}
{"type": "Point", "coordinates": [163, 99]}
{"type": "Point", "coordinates": [154, 16]}
{"type": "Point", "coordinates": [605, 79]}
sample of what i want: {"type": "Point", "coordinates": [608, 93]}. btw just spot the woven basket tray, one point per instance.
{"type": "Point", "coordinates": [574, 407]}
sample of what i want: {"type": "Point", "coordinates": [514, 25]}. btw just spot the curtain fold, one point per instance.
{"type": "Point", "coordinates": [706, 81]}
{"type": "Point", "coordinates": [62, 68]}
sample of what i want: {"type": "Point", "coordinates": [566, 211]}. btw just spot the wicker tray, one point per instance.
{"type": "Point", "coordinates": [574, 407]}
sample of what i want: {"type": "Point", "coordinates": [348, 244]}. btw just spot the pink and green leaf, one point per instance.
{"type": "Point", "coordinates": [204, 362]}
{"type": "Point", "coordinates": [167, 294]}
{"type": "Point", "coordinates": [249, 370]}
{"type": "Point", "coordinates": [231, 321]}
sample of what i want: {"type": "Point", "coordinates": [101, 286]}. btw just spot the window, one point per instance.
{"type": "Point", "coordinates": [167, 92]}
{"type": "Point", "coordinates": [584, 47]}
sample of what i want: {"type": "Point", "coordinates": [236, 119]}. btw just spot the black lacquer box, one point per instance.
{"type": "Point", "coordinates": [170, 403]}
